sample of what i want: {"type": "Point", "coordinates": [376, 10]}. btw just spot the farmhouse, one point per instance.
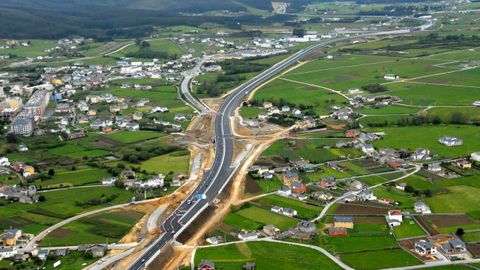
{"type": "Point", "coordinates": [454, 248]}
{"type": "Point", "coordinates": [284, 211]}
{"type": "Point", "coordinates": [284, 191]}
{"type": "Point", "coordinates": [299, 188]}
{"type": "Point", "coordinates": [390, 76]}
{"type": "Point", "coordinates": [401, 186]}
{"type": "Point", "coordinates": [290, 177]}
{"type": "Point", "coordinates": [321, 196]}
{"type": "Point", "coordinates": [356, 185]}
{"type": "Point", "coordinates": [475, 156]}
{"type": "Point", "coordinates": [335, 231]}
{"type": "Point", "coordinates": [394, 218]}
{"type": "Point", "coordinates": [450, 141]}
{"type": "Point", "coordinates": [425, 248]}
{"type": "Point", "coordinates": [206, 265]}
{"type": "Point", "coordinates": [270, 230]}
{"type": "Point", "coordinates": [7, 252]}
{"type": "Point", "coordinates": [464, 164]}
{"type": "Point", "coordinates": [343, 222]}
{"type": "Point", "coordinates": [307, 227]}
{"type": "Point", "coordinates": [109, 181]}
{"type": "Point", "coordinates": [421, 207]}
{"type": "Point", "coordinates": [267, 105]}
{"type": "Point", "coordinates": [327, 183]}
{"type": "Point", "coordinates": [352, 133]}
{"type": "Point", "coordinates": [366, 195]}
{"type": "Point", "coordinates": [249, 266]}
{"type": "Point", "coordinates": [420, 154]}
{"type": "Point", "coordinates": [214, 240]}
{"type": "Point", "coordinates": [9, 237]}
{"type": "Point", "coordinates": [434, 167]}
{"type": "Point", "coordinates": [247, 235]}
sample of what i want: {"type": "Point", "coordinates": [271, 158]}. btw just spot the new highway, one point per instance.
{"type": "Point", "coordinates": [221, 171]}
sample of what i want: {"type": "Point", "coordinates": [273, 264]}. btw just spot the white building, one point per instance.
{"type": "Point", "coordinates": [450, 141]}
{"type": "Point", "coordinates": [475, 156]}
{"type": "Point", "coordinates": [159, 109]}
{"type": "Point", "coordinates": [421, 207]}
{"type": "Point", "coordinates": [109, 181]}
{"type": "Point", "coordinates": [284, 191]}
{"type": "Point", "coordinates": [22, 125]}
{"type": "Point", "coordinates": [7, 252]}
{"type": "Point", "coordinates": [247, 235]}
{"type": "Point", "coordinates": [4, 162]}
{"type": "Point", "coordinates": [424, 247]}
{"type": "Point", "coordinates": [391, 76]}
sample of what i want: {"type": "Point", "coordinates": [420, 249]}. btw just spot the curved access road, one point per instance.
{"type": "Point", "coordinates": [222, 171]}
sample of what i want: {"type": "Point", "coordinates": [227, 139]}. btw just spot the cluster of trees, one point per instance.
{"type": "Point", "coordinates": [145, 51]}
{"type": "Point", "coordinates": [97, 201]}
{"type": "Point", "coordinates": [416, 192]}
{"type": "Point", "coordinates": [142, 153]}
{"type": "Point", "coordinates": [282, 120]}
{"type": "Point", "coordinates": [210, 88]}
{"type": "Point", "coordinates": [457, 118]}
{"type": "Point", "coordinates": [58, 19]}
{"type": "Point", "coordinates": [435, 40]}
{"type": "Point", "coordinates": [395, 10]}
{"type": "Point", "coordinates": [234, 71]}
{"type": "Point", "coordinates": [375, 88]}
{"type": "Point", "coordinates": [280, 103]}
{"type": "Point", "coordinates": [236, 66]}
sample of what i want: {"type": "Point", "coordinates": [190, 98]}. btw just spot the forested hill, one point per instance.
{"type": "Point", "coordinates": [106, 19]}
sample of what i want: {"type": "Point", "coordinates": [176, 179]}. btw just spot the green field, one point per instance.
{"type": "Point", "coordinates": [269, 185]}
{"type": "Point", "coordinates": [379, 259]}
{"type": "Point", "coordinates": [305, 211]}
{"type": "Point", "coordinates": [314, 150]}
{"type": "Point", "coordinates": [59, 205]}
{"type": "Point", "coordinates": [253, 218]}
{"type": "Point", "coordinates": [77, 151]}
{"type": "Point", "coordinates": [134, 136]}
{"type": "Point", "coordinates": [342, 77]}
{"type": "Point", "coordinates": [158, 45]}
{"type": "Point", "coordinates": [471, 237]}
{"type": "Point", "coordinates": [159, 95]}
{"type": "Point", "coordinates": [297, 94]}
{"type": "Point", "coordinates": [177, 162]}
{"type": "Point", "coordinates": [427, 137]}
{"type": "Point", "coordinates": [460, 199]}
{"type": "Point", "coordinates": [405, 200]}
{"type": "Point", "coordinates": [421, 183]}
{"type": "Point", "coordinates": [73, 261]}
{"type": "Point", "coordinates": [432, 95]}
{"type": "Point", "coordinates": [266, 256]}
{"type": "Point", "coordinates": [78, 177]}
{"type": "Point", "coordinates": [250, 112]}
{"type": "Point", "coordinates": [37, 48]}
{"type": "Point", "coordinates": [106, 227]}
{"type": "Point", "coordinates": [409, 228]}
{"type": "Point", "coordinates": [377, 240]}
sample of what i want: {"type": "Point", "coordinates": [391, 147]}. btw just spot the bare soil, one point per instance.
{"type": "Point", "coordinates": [368, 220]}
{"type": "Point", "coordinates": [451, 220]}
{"type": "Point", "coordinates": [61, 233]}
{"type": "Point", "coordinates": [421, 221]}
{"type": "Point", "coordinates": [474, 249]}
{"type": "Point", "coordinates": [358, 209]}
{"type": "Point", "coordinates": [251, 186]}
